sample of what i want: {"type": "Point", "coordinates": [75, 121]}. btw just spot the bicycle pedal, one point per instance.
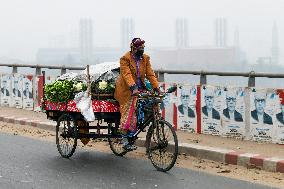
{"type": "Point", "coordinates": [129, 148]}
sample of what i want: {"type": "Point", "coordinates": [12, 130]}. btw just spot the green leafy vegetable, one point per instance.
{"type": "Point", "coordinates": [62, 91]}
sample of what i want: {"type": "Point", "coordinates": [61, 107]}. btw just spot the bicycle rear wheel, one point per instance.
{"type": "Point", "coordinates": [66, 135]}
{"type": "Point", "coordinates": [162, 145]}
{"type": "Point", "coordinates": [115, 144]}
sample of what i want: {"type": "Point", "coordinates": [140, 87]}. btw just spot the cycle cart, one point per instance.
{"type": "Point", "coordinates": [161, 140]}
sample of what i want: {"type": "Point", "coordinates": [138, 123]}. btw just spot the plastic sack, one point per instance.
{"type": "Point", "coordinates": [84, 104]}
{"type": "Point", "coordinates": [102, 69]}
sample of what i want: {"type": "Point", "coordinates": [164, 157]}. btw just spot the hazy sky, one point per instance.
{"type": "Point", "coordinates": [27, 25]}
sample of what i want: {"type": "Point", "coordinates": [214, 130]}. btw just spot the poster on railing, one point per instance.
{"type": "Point", "coordinates": [264, 104]}
{"type": "Point", "coordinates": [38, 92]}
{"type": "Point", "coordinates": [17, 91]}
{"type": "Point", "coordinates": [279, 118]}
{"type": "Point", "coordinates": [5, 90]}
{"type": "Point", "coordinates": [186, 107]}
{"type": "Point", "coordinates": [28, 92]}
{"type": "Point", "coordinates": [169, 102]}
{"type": "Point", "coordinates": [212, 101]}
{"type": "Point", "coordinates": [233, 114]}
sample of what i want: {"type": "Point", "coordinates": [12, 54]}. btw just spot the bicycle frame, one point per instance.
{"type": "Point", "coordinates": [154, 115]}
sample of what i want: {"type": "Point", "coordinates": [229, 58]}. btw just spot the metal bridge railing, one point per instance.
{"type": "Point", "coordinates": [39, 67]}
{"type": "Point", "coordinates": [203, 75]}
{"type": "Point", "coordinates": [160, 72]}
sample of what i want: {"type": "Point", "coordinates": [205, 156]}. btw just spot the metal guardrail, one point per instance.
{"type": "Point", "coordinates": [203, 75]}
{"type": "Point", "coordinates": [160, 72]}
{"type": "Point", "coordinates": [39, 67]}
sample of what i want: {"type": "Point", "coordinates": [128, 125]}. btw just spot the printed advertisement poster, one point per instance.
{"type": "Point", "coordinates": [5, 90]}
{"type": "Point", "coordinates": [169, 102]}
{"type": "Point", "coordinates": [233, 114]}
{"type": "Point", "coordinates": [38, 92]}
{"type": "Point", "coordinates": [186, 108]}
{"type": "Point", "coordinates": [279, 118]}
{"type": "Point", "coordinates": [263, 107]}
{"type": "Point", "coordinates": [212, 100]}
{"type": "Point", "coordinates": [17, 88]}
{"type": "Point", "coordinates": [28, 93]}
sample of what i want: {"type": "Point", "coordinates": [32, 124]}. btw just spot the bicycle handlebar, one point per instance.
{"type": "Point", "coordinates": [148, 94]}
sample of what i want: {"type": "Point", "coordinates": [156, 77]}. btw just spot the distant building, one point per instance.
{"type": "Point", "coordinates": [127, 32]}
{"type": "Point", "coordinates": [181, 32]}
{"type": "Point", "coordinates": [62, 56]}
{"type": "Point", "coordinates": [86, 40]}
{"type": "Point", "coordinates": [237, 38]}
{"type": "Point", "coordinates": [205, 58]}
{"type": "Point", "coordinates": [72, 56]}
{"type": "Point", "coordinates": [275, 47]}
{"type": "Point", "coordinates": [220, 32]}
{"type": "Point", "coordinates": [57, 41]}
{"type": "Point", "coordinates": [264, 60]}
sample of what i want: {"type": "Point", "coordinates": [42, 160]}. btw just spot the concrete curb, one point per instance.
{"type": "Point", "coordinates": [249, 160]}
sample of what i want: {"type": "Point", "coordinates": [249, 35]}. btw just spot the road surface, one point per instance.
{"type": "Point", "coordinates": [30, 163]}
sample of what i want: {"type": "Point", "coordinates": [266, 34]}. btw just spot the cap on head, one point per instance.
{"type": "Point", "coordinates": [231, 94]}
{"type": "Point", "coordinates": [209, 92]}
{"type": "Point", "coordinates": [260, 96]}
{"type": "Point", "coordinates": [136, 43]}
{"type": "Point", "coordinates": [185, 91]}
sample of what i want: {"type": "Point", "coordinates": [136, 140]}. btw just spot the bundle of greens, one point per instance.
{"type": "Point", "coordinates": [62, 91]}
{"type": "Point", "coordinates": [68, 85]}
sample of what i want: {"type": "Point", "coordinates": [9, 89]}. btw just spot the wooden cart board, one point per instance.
{"type": "Point", "coordinates": [98, 106]}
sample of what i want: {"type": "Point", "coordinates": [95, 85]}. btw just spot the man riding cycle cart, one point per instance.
{"type": "Point", "coordinates": [75, 101]}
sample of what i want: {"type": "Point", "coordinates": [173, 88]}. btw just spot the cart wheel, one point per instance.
{"type": "Point", "coordinates": [162, 145]}
{"type": "Point", "coordinates": [66, 135]}
{"type": "Point", "coordinates": [115, 143]}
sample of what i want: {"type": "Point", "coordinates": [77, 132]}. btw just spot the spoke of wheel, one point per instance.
{"type": "Point", "coordinates": [161, 155]}
{"type": "Point", "coordinates": [66, 144]}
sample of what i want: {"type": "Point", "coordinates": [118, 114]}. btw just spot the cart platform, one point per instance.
{"type": "Point", "coordinates": [97, 105]}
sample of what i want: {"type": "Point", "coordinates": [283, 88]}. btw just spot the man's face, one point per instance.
{"type": "Point", "coordinates": [209, 101]}
{"type": "Point", "coordinates": [141, 48]}
{"type": "Point", "coordinates": [259, 105]}
{"type": "Point", "coordinates": [231, 103]}
{"type": "Point", "coordinates": [185, 100]}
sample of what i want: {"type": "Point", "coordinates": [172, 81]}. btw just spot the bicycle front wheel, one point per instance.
{"type": "Point", "coordinates": [162, 145]}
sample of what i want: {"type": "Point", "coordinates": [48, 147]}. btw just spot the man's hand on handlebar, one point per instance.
{"type": "Point", "coordinates": [135, 92]}
{"type": "Point", "coordinates": [157, 91]}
